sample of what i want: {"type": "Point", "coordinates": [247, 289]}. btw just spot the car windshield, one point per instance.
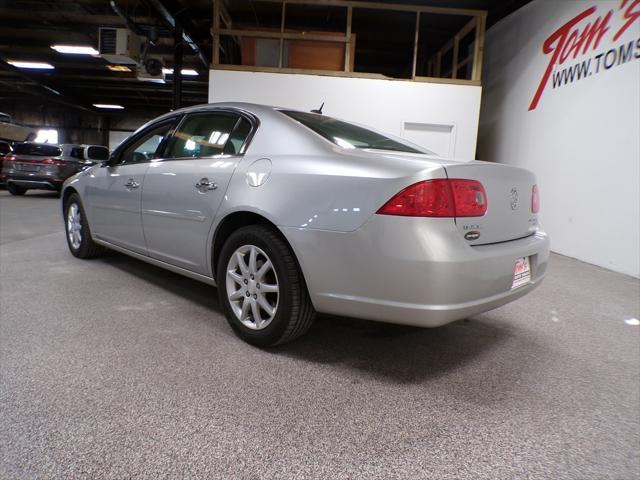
{"type": "Point", "coordinates": [348, 135]}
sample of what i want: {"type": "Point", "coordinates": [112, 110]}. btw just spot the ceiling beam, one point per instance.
{"type": "Point", "coordinates": [170, 20]}
{"type": "Point", "coordinates": [47, 90]}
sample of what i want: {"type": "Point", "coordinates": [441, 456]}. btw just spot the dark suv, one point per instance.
{"type": "Point", "coordinates": [45, 167]}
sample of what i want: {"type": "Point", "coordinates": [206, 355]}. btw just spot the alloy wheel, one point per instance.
{"type": "Point", "coordinates": [74, 226]}
{"type": "Point", "coordinates": [252, 287]}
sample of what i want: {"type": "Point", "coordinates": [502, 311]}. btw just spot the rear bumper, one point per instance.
{"type": "Point", "coordinates": [34, 181]}
{"type": "Point", "coordinates": [412, 271]}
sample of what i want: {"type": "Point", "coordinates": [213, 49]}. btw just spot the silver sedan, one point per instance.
{"type": "Point", "coordinates": [291, 213]}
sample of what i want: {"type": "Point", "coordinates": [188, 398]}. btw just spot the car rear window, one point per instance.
{"type": "Point", "coordinates": [348, 135]}
{"type": "Point", "coordinates": [39, 149]}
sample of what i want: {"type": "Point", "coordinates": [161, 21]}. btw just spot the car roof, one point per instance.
{"type": "Point", "coordinates": [255, 109]}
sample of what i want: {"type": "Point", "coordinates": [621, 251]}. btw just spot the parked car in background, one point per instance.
{"type": "Point", "coordinates": [5, 149]}
{"type": "Point", "coordinates": [292, 212]}
{"type": "Point", "coordinates": [45, 167]}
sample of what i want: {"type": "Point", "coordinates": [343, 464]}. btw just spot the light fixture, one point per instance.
{"type": "Point", "coordinates": [118, 68]}
{"type": "Point", "coordinates": [75, 50]}
{"type": "Point", "coordinates": [31, 65]}
{"type": "Point", "coordinates": [108, 106]}
{"type": "Point", "coordinates": [185, 71]}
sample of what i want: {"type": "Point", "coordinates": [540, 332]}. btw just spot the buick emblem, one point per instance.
{"type": "Point", "coordinates": [514, 198]}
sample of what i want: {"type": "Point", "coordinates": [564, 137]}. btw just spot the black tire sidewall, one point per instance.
{"type": "Point", "coordinates": [15, 189]}
{"type": "Point", "coordinates": [271, 334]}
{"type": "Point", "coordinates": [84, 231]}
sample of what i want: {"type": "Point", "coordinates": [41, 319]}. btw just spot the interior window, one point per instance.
{"type": "Point", "coordinates": [238, 138]}
{"type": "Point", "coordinates": [145, 147]}
{"type": "Point", "coordinates": [202, 135]}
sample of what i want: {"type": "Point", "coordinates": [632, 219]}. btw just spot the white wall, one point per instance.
{"type": "Point", "coordinates": [583, 138]}
{"type": "Point", "coordinates": [116, 137]}
{"type": "Point", "coordinates": [383, 104]}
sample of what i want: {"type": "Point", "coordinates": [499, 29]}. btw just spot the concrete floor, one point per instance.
{"type": "Point", "coordinates": [112, 368]}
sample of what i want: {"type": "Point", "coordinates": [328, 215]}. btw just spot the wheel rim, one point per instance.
{"type": "Point", "coordinates": [252, 287]}
{"type": "Point", "coordinates": [74, 226]}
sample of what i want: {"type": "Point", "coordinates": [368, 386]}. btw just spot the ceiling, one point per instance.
{"type": "Point", "coordinates": [29, 27]}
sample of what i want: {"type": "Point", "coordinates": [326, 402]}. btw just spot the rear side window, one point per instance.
{"type": "Point", "coordinates": [77, 152]}
{"type": "Point", "coordinates": [39, 149]}
{"type": "Point", "coordinates": [97, 153]}
{"type": "Point", "coordinates": [236, 143]}
{"type": "Point", "coordinates": [202, 135]}
{"type": "Point", "coordinates": [348, 135]}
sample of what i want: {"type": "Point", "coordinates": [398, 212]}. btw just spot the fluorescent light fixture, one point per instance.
{"type": "Point", "coordinates": [75, 50]}
{"type": "Point", "coordinates": [185, 71]}
{"type": "Point", "coordinates": [118, 68]}
{"type": "Point", "coordinates": [31, 65]}
{"type": "Point", "coordinates": [108, 106]}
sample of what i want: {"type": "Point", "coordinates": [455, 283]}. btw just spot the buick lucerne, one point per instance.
{"type": "Point", "coordinates": [290, 213]}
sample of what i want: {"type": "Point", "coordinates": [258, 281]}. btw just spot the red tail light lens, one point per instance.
{"type": "Point", "coordinates": [439, 198]}
{"type": "Point", "coordinates": [469, 197]}
{"type": "Point", "coordinates": [535, 199]}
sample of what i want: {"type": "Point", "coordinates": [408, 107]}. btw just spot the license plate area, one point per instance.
{"type": "Point", "coordinates": [27, 168]}
{"type": "Point", "coordinates": [521, 273]}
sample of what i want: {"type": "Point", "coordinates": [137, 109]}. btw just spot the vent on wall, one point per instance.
{"type": "Point", "coordinates": [119, 46]}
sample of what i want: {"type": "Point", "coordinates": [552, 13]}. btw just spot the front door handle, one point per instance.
{"type": "Point", "coordinates": [205, 185]}
{"type": "Point", "coordinates": [131, 184]}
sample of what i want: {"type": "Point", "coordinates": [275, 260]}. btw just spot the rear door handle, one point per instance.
{"type": "Point", "coordinates": [131, 184]}
{"type": "Point", "coordinates": [205, 185]}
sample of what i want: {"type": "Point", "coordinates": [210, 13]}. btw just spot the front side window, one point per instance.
{"type": "Point", "coordinates": [202, 135]}
{"type": "Point", "coordinates": [146, 146]}
{"type": "Point", "coordinates": [348, 135]}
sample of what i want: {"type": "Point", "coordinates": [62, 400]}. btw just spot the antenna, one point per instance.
{"type": "Point", "coordinates": [319, 110]}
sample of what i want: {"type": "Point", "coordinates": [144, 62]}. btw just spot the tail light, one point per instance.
{"type": "Point", "coordinates": [439, 198]}
{"type": "Point", "coordinates": [535, 199]}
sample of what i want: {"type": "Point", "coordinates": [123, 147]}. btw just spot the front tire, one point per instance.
{"type": "Point", "coordinates": [16, 189]}
{"type": "Point", "coordinates": [261, 288]}
{"type": "Point", "coordinates": [78, 235]}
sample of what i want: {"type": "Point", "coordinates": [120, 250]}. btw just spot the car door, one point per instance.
{"type": "Point", "coordinates": [115, 192]}
{"type": "Point", "coordinates": [184, 189]}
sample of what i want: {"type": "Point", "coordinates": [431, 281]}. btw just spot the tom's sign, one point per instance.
{"type": "Point", "coordinates": [583, 35]}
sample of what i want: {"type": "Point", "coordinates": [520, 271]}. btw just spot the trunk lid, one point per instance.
{"type": "Point", "coordinates": [509, 193]}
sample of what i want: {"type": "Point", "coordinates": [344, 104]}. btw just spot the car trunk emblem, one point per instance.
{"type": "Point", "coordinates": [514, 199]}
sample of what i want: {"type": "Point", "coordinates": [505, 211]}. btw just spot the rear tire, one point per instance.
{"type": "Point", "coordinates": [281, 302]}
{"type": "Point", "coordinates": [16, 190]}
{"type": "Point", "coordinates": [77, 230]}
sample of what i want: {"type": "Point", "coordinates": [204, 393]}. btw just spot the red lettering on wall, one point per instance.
{"type": "Point", "coordinates": [555, 44]}
{"type": "Point", "coordinates": [630, 15]}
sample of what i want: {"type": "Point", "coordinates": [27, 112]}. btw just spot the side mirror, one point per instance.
{"type": "Point", "coordinates": [109, 162]}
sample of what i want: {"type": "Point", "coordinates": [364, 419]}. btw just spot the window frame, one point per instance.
{"type": "Point", "coordinates": [252, 119]}
{"type": "Point", "coordinates": [172, 121]}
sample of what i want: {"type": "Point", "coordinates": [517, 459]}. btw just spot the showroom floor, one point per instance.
{"type": "Point", "coordinates": [116, 369]}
